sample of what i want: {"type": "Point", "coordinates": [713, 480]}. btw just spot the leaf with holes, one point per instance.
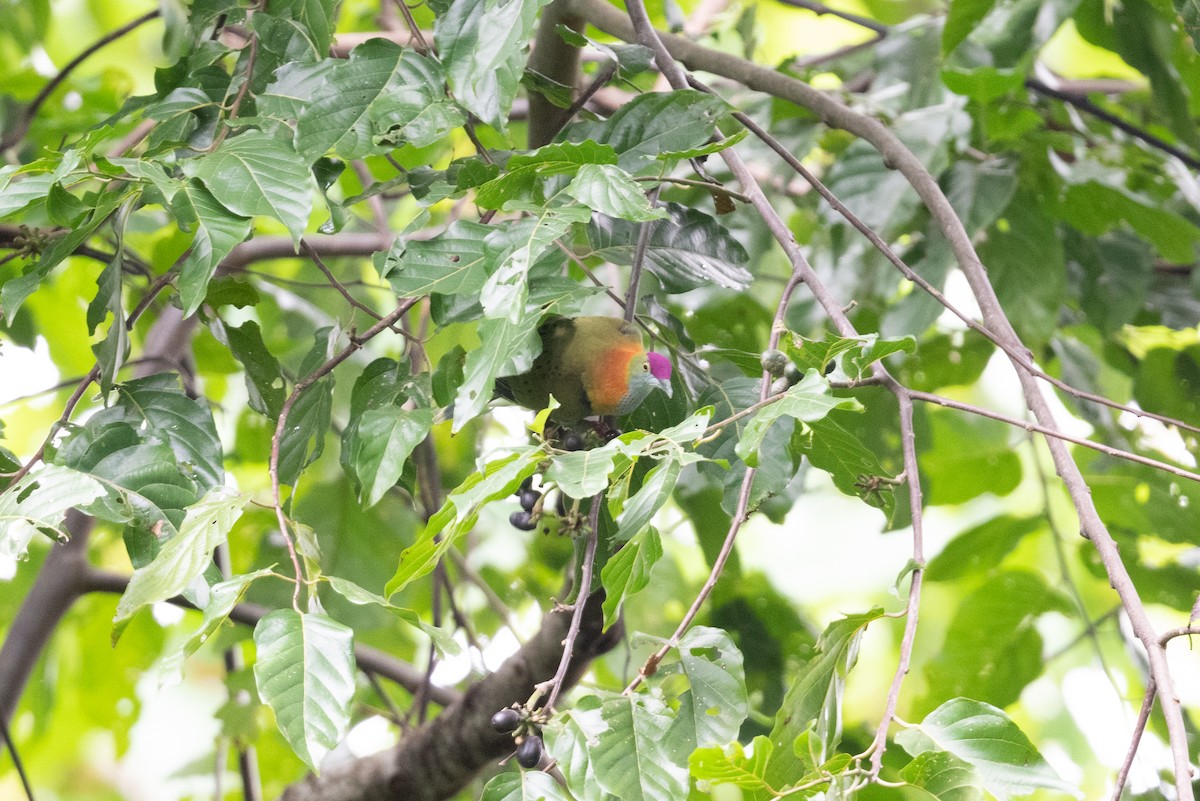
{"type": "Point", "coordinates": [184, 557]}
{"type": "Point", "coordinates": [713, 708]}
{"type": "Point", "coordinates": [157, 404]}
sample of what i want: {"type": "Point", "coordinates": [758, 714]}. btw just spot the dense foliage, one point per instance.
{"type": "Point", "coordinates": [928, 280]}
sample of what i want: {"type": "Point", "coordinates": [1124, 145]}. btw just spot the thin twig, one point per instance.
{"type": "Point", "coordinates": [691, 182]}
{"type": "Point", "coordinates": [394, 712]}
{"type": "Point", "coordinates": [26, 119]}
{"type": "Point", "coordinates": [1057, 537]}
{"type": "Point", "coordinates": [336, 284]}
{"type": "Point", "coordinates": [1055, 434]}
{"type": "Point", "coordinates": [374, 201]}
{"type": "Point", "coordinates": [1019, 355]}
{"type": "Point", "coordinates": [355, 344]}
{"type": "Point", "coordinates": [581, 596]}
{"type": "Point", "coordinates": [1085, 105]}
{"type": "Point", "coordinates": [821, 9]}
{"type": "Point", "coordinates": [247, 757]}
{"type": "Point", "coordinates": [1138, 729]}
{"type": "Point", "coordinates": [908, 445]}
{"type": "Point", "coordinates": [494, 601]}
{"type": "Point", "coordinates": [639, 260]}
{"type": "Point", "coordinates": [413, 28]}
{"type": "Point", "coordinates": [1182, 631]}
{"type": "Point", "coordinates": [603, 76]}
{"type": "Point", "coordinates": [16, 757]}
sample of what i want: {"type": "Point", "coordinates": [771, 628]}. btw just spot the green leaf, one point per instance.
{"type": "Point", "coordinates": [983, 548]}
{"type": "Point", "coordinates": [582, 474]}
{"type": "Point", "coordinates": [18, 195]}
{"type": "Point", "coordinates": [355, 594]}
{"type": "Point", "coordinates": [1027, 227]}
{"type": "Point", "coordinates": [316, 16]}
{"type": "Point", "coordinates": [656, 490]}
{"type": "Point", "coordinates": [815, 697]}
{"type": "Point", "coordinates": [454, 262]}
{"type": "Point", "coordinates": [308, 422]}
{"type": "Point", "coordinates": [561, 158]}
{"type": "Point", "coordinates": [713, 709]}
{"type": "Point", "coordinates": [157, 405]}
{"type": "Point", "coordinates": [113, 350]}
{"type": "Point", "coordinates": [634, 758]}
{"type": "Point", "coordinates": [526, 785]}
{"type": "Point", "coordinates": [382, 96]}
{"type": "Point", "coordinates": [385, 438]}
{"type": "Point", "coordinates": [264, 380]}
{"type": "Point", "coordinates": [992, 649]}
{"type": "Point", "coordinates": [687, 250]}
{"type": "Point", "coordinates": [217, 232]}
{"type": "Point", "coordinates": [720, 765]}
{"type": "Point", "coordinates": [505, 348]}
{"type": "Point", "coordinates": [967, 456]}
{"type": "Point", "coordinates": [15, 290]}
{"type": "Point", "coordinates": [258, 175]}
{"type": "Point", "coordinates": [628, 571]}
{"type": "Point", "coordinates": [655, 123]}
{"type": "Point", "coordinates": [1100, 205]}
{"type": "Point", "coordinates": [520, 244]}
{"type": "Point", "coordinates": [482, 44]}
{"type": "Point", "coordinates": [631, 58]}
{"type": "Point", "coordinates": [570, 737]}
{"type": "Point", "coordinates": [708, 149]}
{"type": "Point", "coordinates": [806, 401]}
{"type": "Point", "coordinates": [944, 776]}
{"type": "Point", "coordinates": [610, 190]}
{"type": "Point", "coordinates": [305, 673]}
{"type": "Point", "coordinates": [220, 600]}
{"type": "Point", "coordinates": [184, 557]}
{"type": "Point", "coordinates": [833, 448]}
{"type": "Point", "coordinates": [146, 486]}
{"type": "Point", "coordinates": [38, 502]}
{"type": "Point", "coordinates": [859, 178]}
{"type": "Point", "coordinates": [499, 479]}
{"type": "Point", "coordinates": [984, 737]}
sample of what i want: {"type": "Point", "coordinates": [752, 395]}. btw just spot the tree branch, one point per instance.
{"type": "Point", "coordinates": [440, 757]}
{"type": "Point", "coordinates": [897, 156]}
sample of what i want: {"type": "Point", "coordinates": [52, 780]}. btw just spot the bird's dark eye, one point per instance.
{"type": "Point", "coordinates": [646, 367]}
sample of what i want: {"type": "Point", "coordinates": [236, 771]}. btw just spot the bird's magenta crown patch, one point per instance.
{"type": "Point", "coordinates": [660, 366]}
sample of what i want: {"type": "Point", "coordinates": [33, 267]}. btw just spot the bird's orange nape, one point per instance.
{"type": "Point", "coordinates": [609, 376]}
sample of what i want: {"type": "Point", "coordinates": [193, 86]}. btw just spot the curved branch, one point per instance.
{"type": "Point", "coordinates": [53, 592]}
{"type": "Point", "coordinates": [370, 660]}
{"type": "Point", "coordinates": [897, 156]}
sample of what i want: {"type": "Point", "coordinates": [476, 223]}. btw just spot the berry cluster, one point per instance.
{"type": "Point", "coordinates": [526, 730]}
